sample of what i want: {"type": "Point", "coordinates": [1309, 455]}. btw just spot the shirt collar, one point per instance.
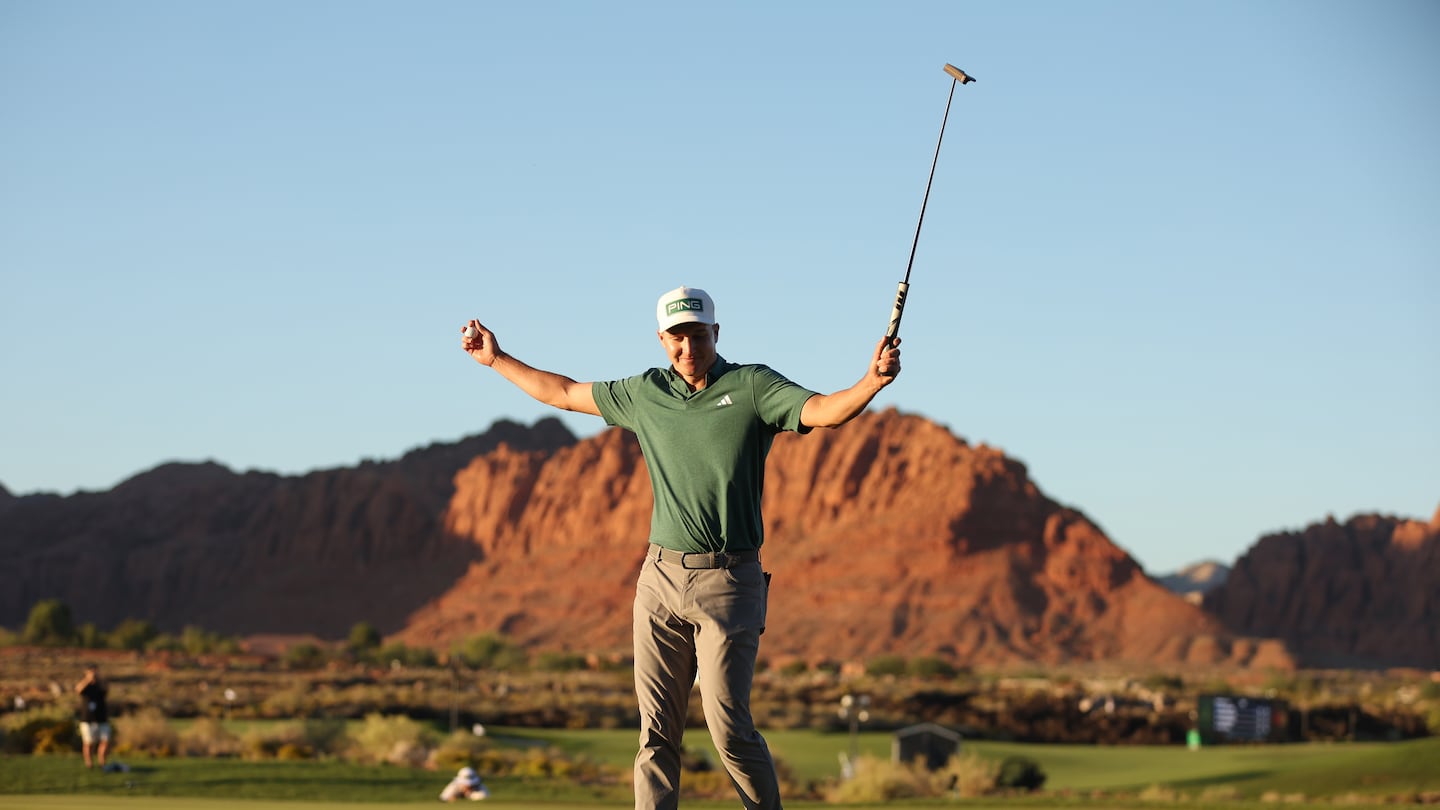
{"type": "Point", "coordinates": [717, 370]}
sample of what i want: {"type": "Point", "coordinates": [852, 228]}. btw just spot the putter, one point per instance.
{"type": "Point", "coordinates": [958, 76]}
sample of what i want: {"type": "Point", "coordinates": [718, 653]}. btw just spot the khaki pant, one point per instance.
{"type": "Point", "coordinates": [707, 621]}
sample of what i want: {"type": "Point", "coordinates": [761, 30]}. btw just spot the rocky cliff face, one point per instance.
{"type": "Point", "coordinates": [1361, 593]}
{"type": "Point", "coordinates": [197, 544]}
{"type": "Point", "coordinates": [888, 535]}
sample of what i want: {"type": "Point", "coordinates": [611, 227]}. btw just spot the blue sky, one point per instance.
{"type": "Point", "coordinates": [1182, 258]}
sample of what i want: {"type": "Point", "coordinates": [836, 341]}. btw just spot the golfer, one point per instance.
{"type": "Point", "coordinates": [705, 426]}
{"type": "Point", "coordinates": [466, 785]}
{"type": "Point", "coordinates": [94, 715]}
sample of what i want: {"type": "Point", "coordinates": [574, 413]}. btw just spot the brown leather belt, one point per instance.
{"type": "Point", "coordinates": [706, 559]}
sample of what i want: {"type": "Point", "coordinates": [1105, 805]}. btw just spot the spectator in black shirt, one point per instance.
{"type": "Point", "coordinates": [94, 715]}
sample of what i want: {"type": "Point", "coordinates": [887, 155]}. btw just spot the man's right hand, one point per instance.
{"type": "Point", "coordinates": [482, 347]}
{"type": "Point", "coordinates": [547, 387]}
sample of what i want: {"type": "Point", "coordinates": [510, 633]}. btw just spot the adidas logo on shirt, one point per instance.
{"type": "Point", "coordinates": [725, 400]}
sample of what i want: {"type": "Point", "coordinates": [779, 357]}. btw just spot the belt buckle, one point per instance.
{"type": "Point", "coordinates": [716, 559]}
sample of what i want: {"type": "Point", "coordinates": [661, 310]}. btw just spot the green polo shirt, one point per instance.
{"type": "Point", "coordinates": [705, 450]}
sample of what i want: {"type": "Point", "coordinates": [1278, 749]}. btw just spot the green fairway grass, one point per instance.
{"type": "Point", "coordinates": [270, 780]}
{"type": "Point", "coordinates": [90, 802]}
{"type": "Point", "coordinates": [1076, 775]}
{"type": "Point", "coordinates": [1317, 770]}
{"type": "Point", "coordinates": [811, 755]}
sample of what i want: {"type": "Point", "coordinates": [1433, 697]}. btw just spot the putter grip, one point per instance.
{"type": "Point", "coordinates": [895, 313]}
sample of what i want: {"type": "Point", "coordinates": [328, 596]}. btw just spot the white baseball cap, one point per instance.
{"type": "Point", "coordinates": [684, 305]}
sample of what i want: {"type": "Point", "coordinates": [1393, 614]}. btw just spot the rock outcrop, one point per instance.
{"type": "Point", "coordinates": [1361, 593]}
{"type": "Point", "coordinates": [890, 535]}
{"type": "Point", "coordinates": [198, 544]}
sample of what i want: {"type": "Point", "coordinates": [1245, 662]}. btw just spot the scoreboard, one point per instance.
{"type": "Point", "coordinates": [1235, 718]}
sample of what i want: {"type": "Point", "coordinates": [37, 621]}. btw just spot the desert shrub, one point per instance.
{"type": "Point", "coordinates": [395, 739]}
{"type": "Point", "coordinates": [560, 662]}
{"type": "Point", "coordinates": [931, 667]}
{"type": "Point", "coordinates": [704, 779]}
{"type": "Point", "coordinates": [208, 737]}
{"type": "Point", "coordinates": [696, 760]}
{"type": "Point", "coordinates": [885, 665]}
{"type": "Point", "coordinates": [324, 735]}
{"type": "Point", "coordinates": [546, 763]}
{"type": "Point", "coordinates": [711, 784]}
{"type": "Point", "coordinates": [196, 640]}
{"type": "Point", "coordinates": [146, 730]}
{"type": "Point", "coordinates": [292, 751]}
{"type": "Point", "coordinates": [794, 668]}
{"type": "Point", "coordinates": [459, 749]}
{"type": "Point", "coordinates": [1159, 793]}
{"type": "Point", "coordinates": [1220, 793]}
{"type": "Point", "coordinates": [550, 763]}
{"type": "Point", "coordinates": [55, 738]}
{"type": "Point", "coordinates": [46, 726]}
{"type": "Point", "coordinates": [50, 624]}
{"type": "Point", "coordinates": [493, 761]}
{"type": "Point", "coordinates": [613, 720]}
{"type": "Point", "coordinates": [364, 638]}
{"type": "Point", "coordinates": [1351, 798]}
{"type": "Point", "coordinates": [295, 701]}
{"type": "Point", "coordinates": [89, 636]}
{"type": "Point", "coordinates": [132, 634]}
{"type": "Point", "coordinates": [614, 663]}
{"type": "Point", "coordinates": [783, 715]}
{"type": "Point", "coordinates": [268, 741]}
{"type": "Point", "coordinates": [257, 744]}
{"type": "Point", "coordinates": [1215, 683]}
{"type": "Point", "coordinates": [1020, 772]}
{"type": "Point", "coordinates": [1164, 683]}
{"type": "Point", "coordinates": [880, 780]}
{"type": "Point", "coordinates": [304, 656]}
{"type": "Point", "coordinates": [49, 737]}
{"type": "Point", "coordinates": [969, 775]}
{"type": "Point", "coordinates": [408, 656]}
{"type": "Point", "coordinates": [42, 730]}
{"type": "Point", "coordinates": [8, 637]}
{"type": "Point", "coordinates": [490, 651]}
{"type": "Point", "coordinates": [164, 642]}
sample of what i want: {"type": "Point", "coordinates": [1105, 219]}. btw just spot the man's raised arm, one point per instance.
{"type": "Point", "coordinates": [834, 410]}
{"type": "Point", "coordinates": [547, 387]}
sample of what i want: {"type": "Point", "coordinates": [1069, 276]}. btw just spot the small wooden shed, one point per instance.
{"type": "Point", "coordinates": [932, 743]}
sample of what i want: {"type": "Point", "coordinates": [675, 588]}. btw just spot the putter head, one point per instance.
{"type": "Point", "coordinates": [960, 75]}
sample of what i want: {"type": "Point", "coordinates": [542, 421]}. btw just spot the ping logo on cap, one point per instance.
{"type": "Point", "coordinates": [684, 305]}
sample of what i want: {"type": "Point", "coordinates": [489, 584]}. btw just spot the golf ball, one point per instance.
{"type": "Point", "coordinates": [471, 332]}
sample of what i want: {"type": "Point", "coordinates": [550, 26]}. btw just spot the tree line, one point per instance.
{"type": "Point", "coordinates": [51, 623]}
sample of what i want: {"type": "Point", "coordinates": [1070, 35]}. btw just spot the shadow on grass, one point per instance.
{"type": "Point", "coordinates": [1233, 778]}
{"type": "Point", "coordinates": [126, 769]}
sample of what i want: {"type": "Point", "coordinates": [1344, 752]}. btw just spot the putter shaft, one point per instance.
{"type": "Point", "coordinates": [958, 76]}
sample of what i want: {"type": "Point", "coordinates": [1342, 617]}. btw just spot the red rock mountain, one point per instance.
{"type": "Point", "coordinates": [197, 544]}
{"type": "Point", "coordinates": [889, 535]}
{"type": "Point", "coordinates": [1361, 593]}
